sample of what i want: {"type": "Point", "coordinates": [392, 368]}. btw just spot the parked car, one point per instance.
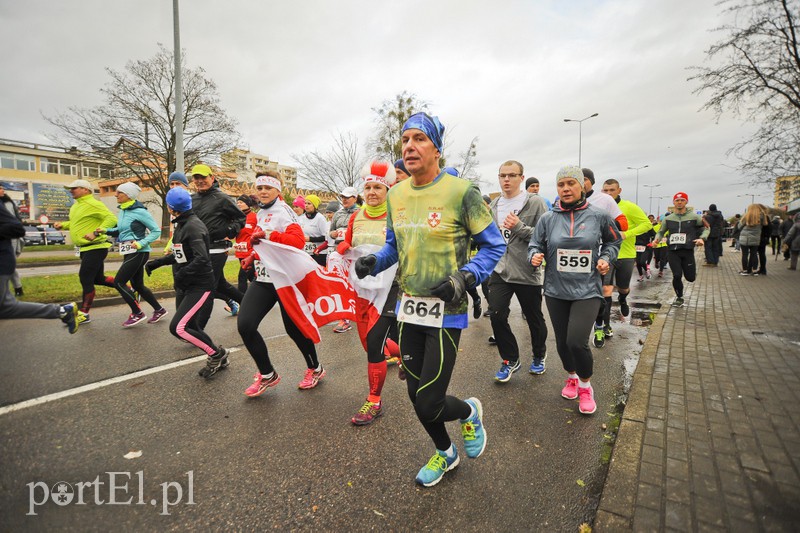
{"type": "Point", "coordinates": [32, 236]}
{"type": "Point", "coordinates": [52, 235]}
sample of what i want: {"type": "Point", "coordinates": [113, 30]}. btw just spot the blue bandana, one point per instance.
{"type": "Point", "coordinates": [429, 125]}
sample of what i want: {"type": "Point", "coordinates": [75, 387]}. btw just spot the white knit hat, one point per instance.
{"type": "Point", "coordinates": [130, 189]}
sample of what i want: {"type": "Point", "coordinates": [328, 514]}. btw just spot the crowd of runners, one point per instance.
{"type": "Point", "coordinates": [445, 239]}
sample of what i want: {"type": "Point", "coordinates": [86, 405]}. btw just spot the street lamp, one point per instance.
{"type": "Point", "coordinates": [658, 208]}
{"type": "Point", "coordinates": [751, 195]}
{"type": "Point", "coordinates": [580, 126]}
{"type": "Point", "coordinates": [637, 169]}
{"type": "Point", "coordinates": [651, 187]}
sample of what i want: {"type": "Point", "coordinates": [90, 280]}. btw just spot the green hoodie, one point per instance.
{"type": "Point", "coordinates": [86, 215]}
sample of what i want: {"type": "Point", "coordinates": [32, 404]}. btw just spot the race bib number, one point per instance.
{"type": "Point", "coordinates": [640, 248]}
{"type": "Point", "coordinates": [309, 247]}
{"type": "Point", "coordinates": [177, 251]}
{"type": "Point", "coordinates": [240, 247]}
{"type": "Point", "coordinates": [677, 238]}
{"type": "Point", "coordinates": [77, 252]}
{"type": "Point", "coordinates": [506, 233]}
{"type": "Point", "coordinates": [261, 271]}
{"type": "Point", "coordinates": [421, 311]}
{"type": "Point", "coordinates": [126, 247]}
{"type": "Point", "coordinates": [340, 233]}
{"type": "Point", "coordinates": [579, 261]}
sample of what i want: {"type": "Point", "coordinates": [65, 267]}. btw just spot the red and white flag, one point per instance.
{"type": "Point", "coordinates": [314, 296]}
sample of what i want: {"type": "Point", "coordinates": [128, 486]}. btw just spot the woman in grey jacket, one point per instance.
{"type": "Point", "coordinates": [570, 238]}
{"type": "Point", "coordinates": [750, 237]}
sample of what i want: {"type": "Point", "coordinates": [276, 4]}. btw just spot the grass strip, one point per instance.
{"type": "Point", "coordinates": [61, 288]}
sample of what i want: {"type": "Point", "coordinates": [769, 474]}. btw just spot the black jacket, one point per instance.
{"type": "Point", "coordinates": [195, 274]}
{"type": "Point", "coordinates": [716, 223]}
{"type": "Point", "coordinates": [10, 228]}
{"type": "Point", "coordinates": [219, 213]}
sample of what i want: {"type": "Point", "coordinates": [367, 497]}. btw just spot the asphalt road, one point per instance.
{"type": "Point", "coordinates": [290, 459]}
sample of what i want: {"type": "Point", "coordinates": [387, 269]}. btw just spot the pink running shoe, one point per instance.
{"type": "Point", "coordinates": [134, 319]}
{"type": "Point", "coordinates": [311, 378]}
{"type": "Point", "coordinates": [157, 315]}
{"type": "Point", "coordinates": [342, 327]}
{"type": "Point", "coordinates": [586, 400]}
{"type": "Point", "coordinates": [570, 390]}
{"type": "Point", "coordinates": [261, 384]}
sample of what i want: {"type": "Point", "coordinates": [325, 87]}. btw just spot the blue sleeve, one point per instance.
{"type": "Point", "coordinates": [149, 222]}
{"type": "Point", "coordinates": [492, 246]}
{"type": "Point", "coordinates": [387, 256]}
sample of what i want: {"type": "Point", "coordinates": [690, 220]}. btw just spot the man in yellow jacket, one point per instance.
{"type": "Point", "coordinates": [85, 216]}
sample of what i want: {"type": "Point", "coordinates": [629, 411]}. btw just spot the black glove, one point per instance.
{"type": "Point", "coordinates": [453, 288]}
{"type": "Point", "coordinates": [364, 265]}
{"type": "Point", "coordinates": [151, 265]}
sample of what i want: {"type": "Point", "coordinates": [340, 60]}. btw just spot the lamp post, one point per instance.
{"type": "Point", "coordinates": [658, 209]}
{"type": "Point", "coordinates": [580, 132]}
{"type": "Point", "coordinates": [651, 187]}
{"type": "Point", "coordinates": [176, 30]}
{"type": "Point", "coordinates": [751, 195]}
{"type": "Point", "coordinates": [637, 169]}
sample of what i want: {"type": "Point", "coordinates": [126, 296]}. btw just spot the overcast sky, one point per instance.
{"type": "Point", "coordinates": [294, 72]}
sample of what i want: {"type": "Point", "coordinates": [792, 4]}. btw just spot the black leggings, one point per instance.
{"type": "Point", "coordinates": [660, 255]}
{"type": "Point", "coordinates": [775, 241]}
{"type": "Point", "coordinates": [92, 273]}
{"type": "Point", "coordinates": [245, 277]}
{"type": "Point", "coordinates": [259, 299]}
{"type": "Point", "coordinates": [572, 322]}
{"type": "Point", "coordinates": [643, 260]}
{"type": "Point", "coordinates": [682, 264]}
{"type": "Point", "coordinates": [132, 269]}
{"type": "Point", "coordinates": [184, 325]}
{"type": "Point", "coordinates": [429, 355]}
{"type": "Point", "coordinates": [530, 301]}
{"type": "Point", "coordinates": [224, 290]}
{"type": "Point", "coordinates": [749, 258]}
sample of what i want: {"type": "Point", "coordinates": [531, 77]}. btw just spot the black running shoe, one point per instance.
{"type": "Point", "coordinates": [215, 363]}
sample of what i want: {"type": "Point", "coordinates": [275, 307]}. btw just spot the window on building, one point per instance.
{"type": "Point", "coordinates": [67, 167]}
{"type": "Point", "coordinates": [17, 161]}
{"type": "Point", "coordinates": [91, 171]}
{"type": "Point", "coordinates": [49, 165]}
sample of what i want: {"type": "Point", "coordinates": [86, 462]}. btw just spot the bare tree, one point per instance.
{"type": "Point", "coordinates": [335, 169]}
{"type": "Point", "coordinates": [757, 76]}
{"type": "Point", "coordinates": [468, 166]}
{"type": "Point", "coordinates": [135, 128]}
{"type": "Point", "coordinates": [389, 120]}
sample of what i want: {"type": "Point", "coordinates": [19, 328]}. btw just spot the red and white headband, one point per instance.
{"type": "Point", "coordinates": [269, 181]}
{"type": "Point", "coordinates": [379, 172]}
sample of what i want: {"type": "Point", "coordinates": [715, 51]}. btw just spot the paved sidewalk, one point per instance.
{"type": "Point", "coordinates": [710, 437]}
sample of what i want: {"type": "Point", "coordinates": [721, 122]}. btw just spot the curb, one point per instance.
{"type": "Point", "coordinates": [615, 512]}
{"type": "Point", "coordinates": [117, 300]}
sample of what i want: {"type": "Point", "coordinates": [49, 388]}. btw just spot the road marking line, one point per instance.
{"type": "Point", "coordinates": [110, 381]}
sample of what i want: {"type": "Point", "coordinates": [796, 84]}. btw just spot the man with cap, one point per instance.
{"type": "Point", "coordinates": [86, 215]}
{"type": "Point", "coordinates": [432, 217]}
{"type": "Point", "coordinates": [683, 230]}
{"type": "Point", "coordinates": [224, 222]}
{"type": "Point", "coordinates": [516, 212]}
{"type": "Point", "coordinates": [532, 186]}
{"type": "Point", "coordinates": [135, 230]}
{"type": "Point", "coordinates": [337, 230]}
{"type": "Point", "coordinates": [178, 179]}
{"type": "Point", "coordinates": [193, 280]}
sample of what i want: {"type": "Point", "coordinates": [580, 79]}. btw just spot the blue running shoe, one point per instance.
{"type": "Point", "coordinates": [432, 473]}
{"type": "Point", "coordinates": [232, 308]}
{"type": "Point", "coordinates": [69, 316]}
{"type": "Point", "coordinates": [473, 431]}
{"type": "Point", "coordinates": [537, 367]}
{"type": "Point", "coordinates": [506, 369]}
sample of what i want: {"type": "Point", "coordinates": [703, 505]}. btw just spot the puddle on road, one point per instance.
{"type": "Point", "coordinates": [642, 315]}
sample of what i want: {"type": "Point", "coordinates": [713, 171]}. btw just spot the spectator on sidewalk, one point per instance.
{"type": "Point", "coordinates": [750, 227]}
{"type": "Point", "coordinates": [762, 243]}
{"type": "Point", "coordinates": [792, 242]}
{"type": "Point", "coordinates": [16, 244]}
{"type": "Point", "coordinates": [775, 234]}
{"type": "Point", "coordinates": [713, 245]}
{"type": "Point", "coordinates": [786, 225]}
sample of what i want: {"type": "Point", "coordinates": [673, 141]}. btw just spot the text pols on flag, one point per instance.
{"type": "Point", "coordinates": [314, 296]}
